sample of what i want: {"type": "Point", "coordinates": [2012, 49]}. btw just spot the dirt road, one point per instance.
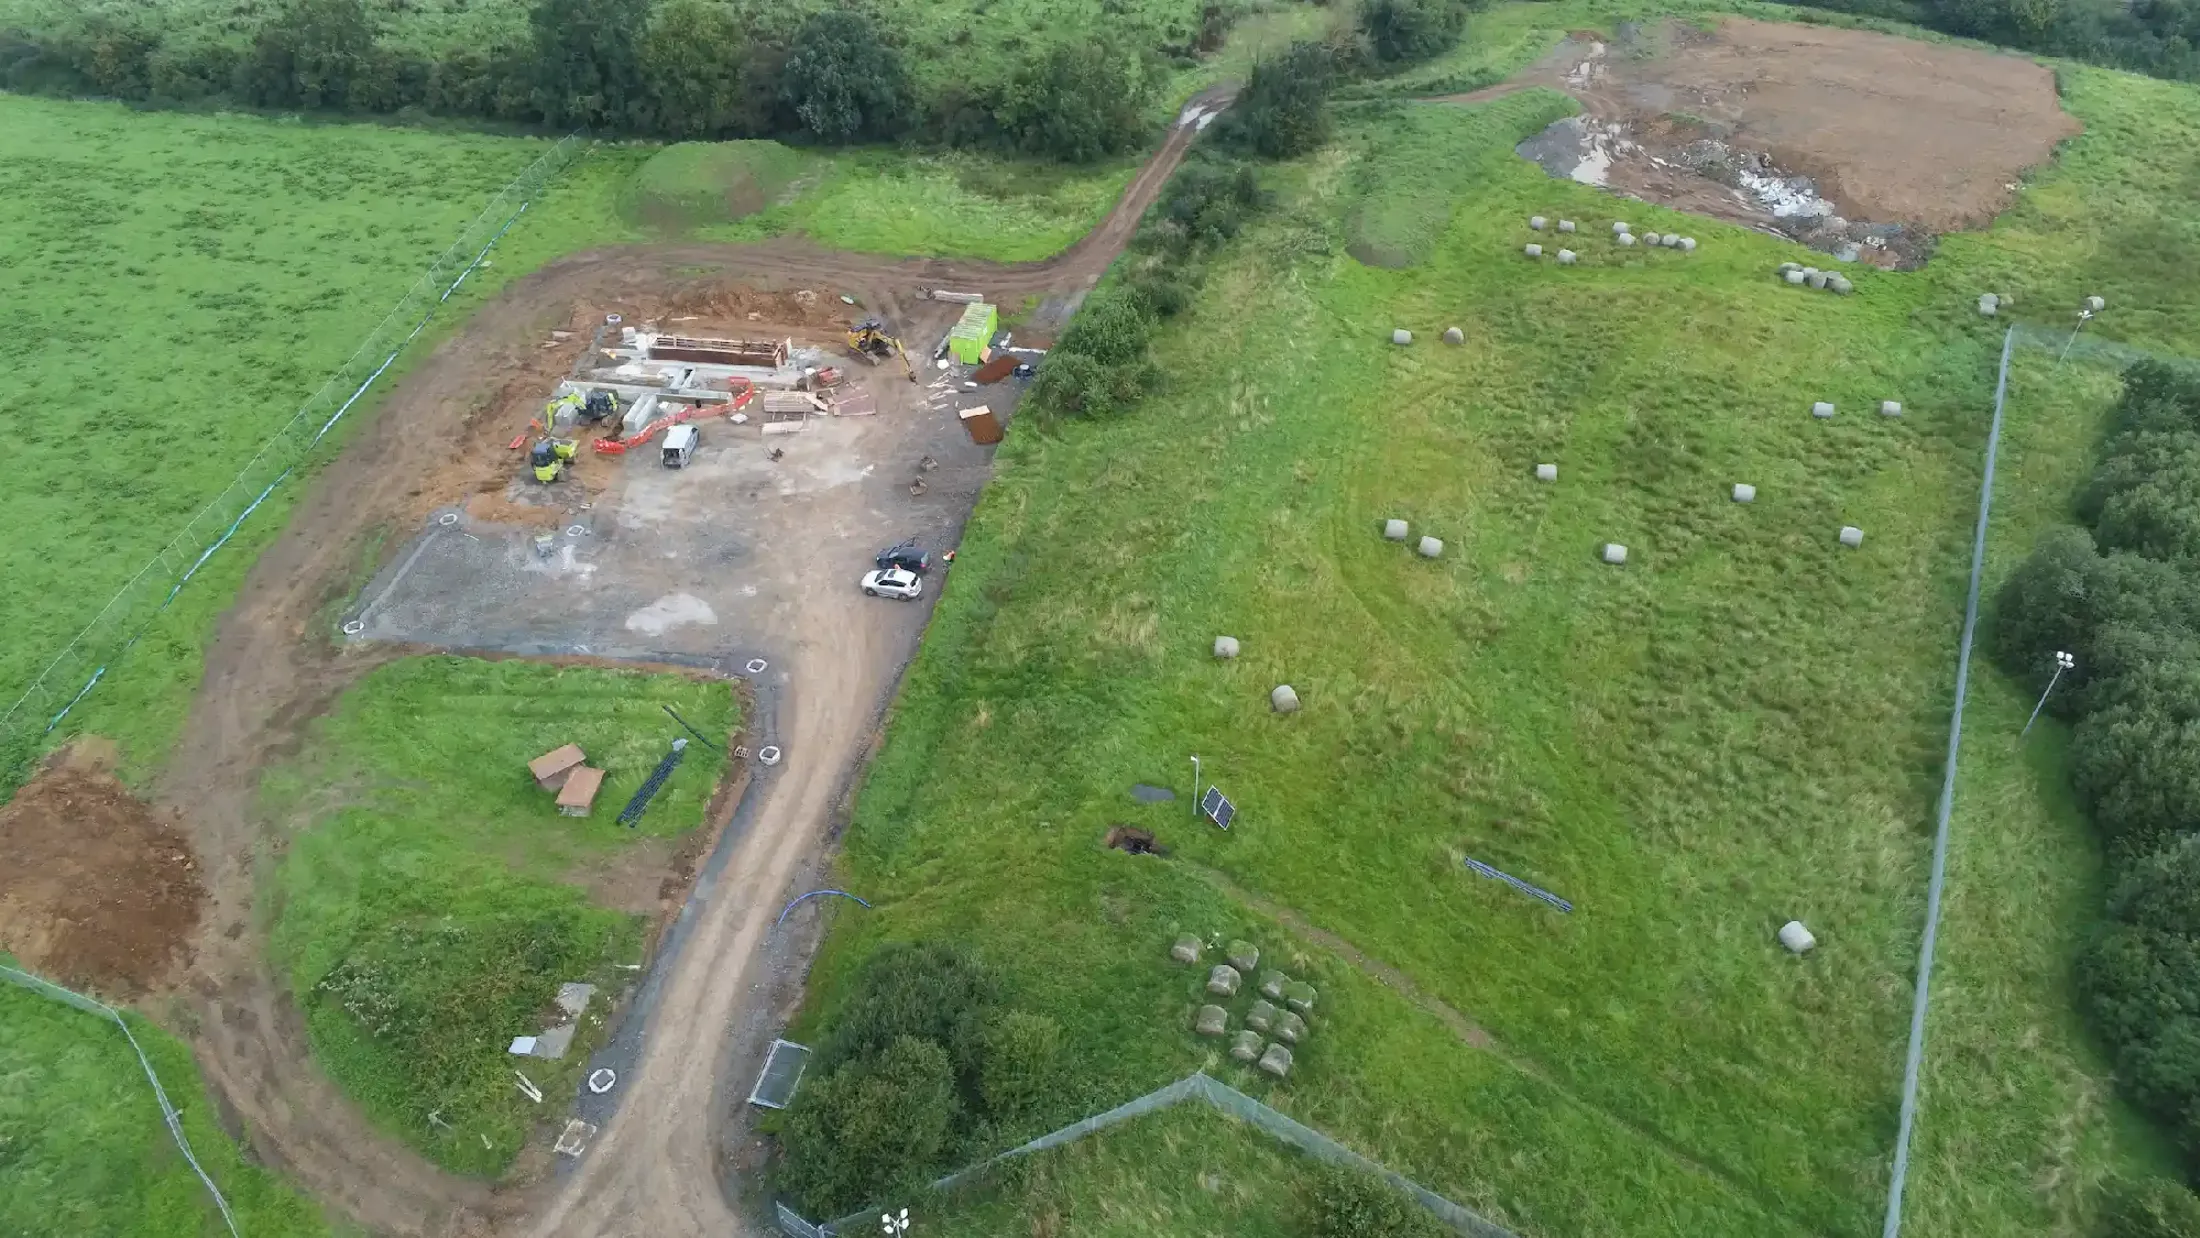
{"type": "Point", "coordinates": [271, 668]}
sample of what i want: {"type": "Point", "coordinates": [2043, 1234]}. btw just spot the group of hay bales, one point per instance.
{"type": "Point", "coordinates": [1277, 1020]}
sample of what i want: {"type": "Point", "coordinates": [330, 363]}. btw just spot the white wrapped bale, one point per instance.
{"type": "Point", "coordinates": [1618, 226]}
{"type": "Point", "coordinates": [1625, 239]}
{"type": "Point", "coordinates": [1890, 408]}
{"type": "Point", "coordinates": [1394, 530]}
{"type": "Point", "coordinates": [1565, 225]}
{"type": "Point", "coordinates": [1796, 938]}
{"type": "Point", "coordinates": [1277, 1061]}
{"type": "Point", "coordinates": [1816, 279]}
{"type": "Point", "coordinates": [1243, 955]}
{"type": "Point", "coordinates": [1223, 980]}
{"type": "Point", "coordinates": [1796, 276]}
{"type": "Point", "coordinates": [1226, 646]}
{"type": "Point", "coordinates": [1212, 1021]}
{"type": "Point", "coordinates": [1535, 222]}
{"type": "Point", "coordinates": [1284, 699]}
{"type": "Point", "coordinates": [1533, 251]}
{"type": "Point", "coordinates": [1245, 1046]}
{"type": "Point", "coordinates": [1290, 1028]}
{"type": "Point", "coordinates": [1401, 336]}
{"type": "Point", "coordinates": [1652, 239]}
{"type": "Point", "coordinates": [1744, 492]}
{"type": "Point", "coordinates": [1614, 553]}
{"type": "Point", "coordinates": [1299, 996]}
{"type": "Point", "coordinates": [1453, 335]}
{"type": "Point", "coordinates": [1431, 547]}
{"type": "Point", "coordinates": [1988, 304]}
{"type": "Point", "coordinates": [1821, 409]}
{"type": "Point", "coordinates": [2095, 304]}
{"type": "Point", "coordinates": [1272, 983]}
{"type": "Point", "coordinates": [1839, 284]}
{"type": "Point", "coordinates": [1262, 1016]}
{"type": "Point", "coordinates": [1546, 472]}
{"type": "Point", "coordinates": [1785, 267]}
{"type": "Point", "coordinates": [1566, 257]}
{"type": "Point", "coordinates": [1688, 244]}
{"type": "Point", "coordinates": [1186, 949]}
{"type": "Point", "coordinates": [1851, 536]}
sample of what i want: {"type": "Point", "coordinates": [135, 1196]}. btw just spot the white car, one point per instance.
{"type": "Point", "coordinates": [894, 582]}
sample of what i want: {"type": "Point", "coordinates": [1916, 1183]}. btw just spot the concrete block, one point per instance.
{"type": "Point", "coordinates": [1744, 492]}
{"type": "Point", "coordinates": [1431, 547]}
{"type": "Point", "coordinates": [1851, 536]}
{"type": "Point", "coordinates": [1546, 472]}
{"type": "Point", "coordinates": [1223, 980]}
{"type": "Point", "coordinates": [1533, 251]}
{"type": "Point", "coordinates": [1566, 257]}
{"type": "Point", "coordinates": [1565, 225]}
{"type": "Point", "coordinates": [1277, 1061]}
{"type": "Point", "coordinates": [1284, 699]}
{"type": "Point", "coordinates": [1226, 646]}
{"type": "Point", "coordinates": [1262, 1016]}
{"type": "Point", "coordinates": [1453, 335]}
{"type": "Point", "coordinates": [1186, 949]}
{"type": "Point", "coordinates": [1401, 336]}
{"type": "Point", "coordinates": [1212, 1021]}
{"type": "Point", "coordinates": [1796, 276]}
{"type": "Point", "coordinates": [1394, 530]}
{"type": "Point", "coordinates": [1890, 408]}
{"type": "Point", "coordinates": [1243, 955]}
{"type": "Point", "coordinates": [1536, 222]}
{"type": "Point", "coordinates": [1796, 938]}
{"type": "Point", "coordinates": [1245, 1046]}
{"type": "Point", "coordinates": [1821, 409]}
{"type": "Point", "coordinates": [1688, 244]}
{"type": "Point", "coordinates": [1614, 553]}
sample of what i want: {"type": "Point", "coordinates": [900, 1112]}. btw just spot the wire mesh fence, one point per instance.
{"type": "Point", "coordinates": [168, 1113]}
{"type": "Point", "coordinates": [1195, 1086]}
{"type": "Point", "coordinates": [79, 666]}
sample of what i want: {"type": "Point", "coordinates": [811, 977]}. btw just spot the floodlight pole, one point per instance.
{"type": "Point", "coordinates": [1195, 788]}
{"type": "Point", "coordinates": [2063, 662]}
{"type": "Point", "coordinates": [2083, 316]}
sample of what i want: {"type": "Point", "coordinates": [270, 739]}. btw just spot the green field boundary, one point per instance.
{"type": "Point", "coordinates": [168, 1115]}
{"type": "Point", "coordinates": [1197, 1086]}
{"type": "Point", "coordinates": [1935, 885]}
{"type": "Point", "coordinates": [83, 662]}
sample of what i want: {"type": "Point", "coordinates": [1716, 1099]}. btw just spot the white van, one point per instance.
{"type": "Point", "coordinates": [679, 445]}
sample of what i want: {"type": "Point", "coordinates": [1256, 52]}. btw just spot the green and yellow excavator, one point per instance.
{"type": "Point", "coordinates": [868, 339]}
{"type": "Point", "coordinates": [550, 458]}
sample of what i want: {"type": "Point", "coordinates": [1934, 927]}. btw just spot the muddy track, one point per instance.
{"type": "Point", "coordinates": [270, 669]}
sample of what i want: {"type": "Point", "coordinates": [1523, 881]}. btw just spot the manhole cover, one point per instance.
{"type": "Point", "coordinates": [600, 1081]}
{"type": "Point", "coordinates": [613, 319]}
{"type": "Point", "coordinates": [447, 519]}
{"type": "Point", "coordinates": [768, 754]}
{"type": "Point", "coordinates": [355, 627]}
{"type": "Point", "coordinates": [756, 666]}
{"type": "Point", "coordinates": [574, 530]}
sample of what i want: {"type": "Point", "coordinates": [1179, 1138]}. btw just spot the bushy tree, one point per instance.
{"type": "Point", "coordinates": [309, 54]}
{"type": "Point", "coordinates": [115, 56]}
{"type": "Point", "coordinates": [874, 1128]}
{"type": "Point", "coordinates": [842, 82]}
{"type": "Point", "coordinates": [932, 991]}
{"type": "Point", "coordinates": [1208, 202]}
{"type": "Point", "coordinates": [587, 70]}
{"type": "Point", "coordinates": [1111, 327]}
{"type": "Point", "coordinates": [1284, 109]}
{"type": "Point", "coordinates": [2145, 497]}
{"type": "Point", "coordinates": [2141, 980]}
{"type": "Point", "coordinates": [2135, 759]}
{"type": "Point", "coordinates": [1022, 1063]}
{"type": "Point", "coordinates": [1352, 1203]}
{"type": "Point", "coordinates": [1400, 31]}
{"type": "Point", "coordinates": [693, 58]}
{"type": "Point", "coordinates": [1077, 103]}
{"type": "Point", "coordinates": [2160, 396]}
{"type": "Point", "coordinates": [1077, 385]}
{"type": "Point", "coordinates": [2149, 1208]}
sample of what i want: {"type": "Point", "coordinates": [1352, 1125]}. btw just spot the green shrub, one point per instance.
{"type": "Point", "coordinates": [872, 1129]}
{"type": "Point", "coordinates": [1401, 31]}
{"type": "Point", "coordinates": [1112, 328]}
{"type": "Point", "coordinates": [1352, 1203]}
{"type": "Point", "coordinates": [587, 65]}
{"type": "Point", "coordinates": [842, 81]}
{"type": "Point", "coordinates": [2149, 1208]}
{"type": "Point", "coordinates": [2145, 498]}
{"type": "Point", "coordinates": [2135, 760]}
{"type": "Point", "coordinates": [1077, 385]}
{"type": "Point", "coordinates": [2108, 611]}
{"type": "Point", "coordinates": [1077, 103]}
{"type": "Point", "coordinates": [1022, 1063]}
{"type": "Point", "coordinates": [2141, 980]}
{"type": "Point", "coordinates": [931, 991]}
{"type": "Point", "coordinates": [1283, 111]}
{"type": "Point", "coordinates": [694, 60]}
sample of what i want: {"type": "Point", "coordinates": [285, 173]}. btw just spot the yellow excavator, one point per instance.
{"type": "Point", "coordinates": [868, 339]}
{"type": "Point", "coordinates": [550, 458]}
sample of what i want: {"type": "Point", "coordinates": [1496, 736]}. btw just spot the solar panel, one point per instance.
{"type": "Point", "coordinates": [1216, 807]}
{"type": "Point", "coordinates": [782, 1073]}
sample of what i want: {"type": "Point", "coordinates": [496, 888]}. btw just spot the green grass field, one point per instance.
{"type": "Point", "coordinates": [82, 1146]}
{"type": "Point", "coordinates": [430, 898]}
{"type": "Point", "coordinates": [1741, 726]}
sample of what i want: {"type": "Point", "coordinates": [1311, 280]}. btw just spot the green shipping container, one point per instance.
{"type": "Point", "coordinates": [971, 335]}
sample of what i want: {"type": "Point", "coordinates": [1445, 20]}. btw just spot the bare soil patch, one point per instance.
{"type": "Point", "coordinates": [1864, 145]}
{"type": "Point", "coordinates": [98, 890]}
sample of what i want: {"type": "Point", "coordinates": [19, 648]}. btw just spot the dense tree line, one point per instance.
{"type": "Point", "coordinates": [2121, 594]}
{"type": "Point", "coordinates": [2158, 37]}
{"type": "Point", "coordinates": [653, 68]}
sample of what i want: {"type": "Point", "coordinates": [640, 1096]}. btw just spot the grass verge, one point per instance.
{"type": "Point", "coordinates": [431, 899]}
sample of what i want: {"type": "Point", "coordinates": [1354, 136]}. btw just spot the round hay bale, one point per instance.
{"type": "Point", "coordinates": [1535, 222]}
{"type": "Point", "coordinates": [1851, 536]}
{"type": "Point", "coordinates": [1614, 553]}
{"type": "Point", "coordinates": [1284, 699]}
{"type": "Point", "coordinates": [1546, 472]}
{"type": "Point", "coordinates": [1401, 336]}
{"type": "Point", "coordinates": [1533, 251]}
{"type": "Point", "coordinates": [1744, 492]}
{"type": "Point", "coordinates": [1453, 335]}
{"type": "Point", "coordinates": [1625, 238]}
{"type": "Point", "coordinates": [1816, 279]}
{"type": "Point", "coordinates": [1394, 530]}
{"type": "Point", "coordinates": [1796, 276]}
{"type": "Point", "coordinates": [1430, 547]}
{"type": "Point", "coordinates": [1688, 244]}
{"type": "Point", "coordinates": [1565, 225]}
{"type": "Point", "coordinates": [1839, 284]}
{"type": "Point", "coordinates": [1186, 949]}
{"type": "Point", "coordinates": [1565, 257]}
{"type": "Point", "coordinates": [2095, 304]}
{"type": "Point", "coordinates": [1226, 646]}
{"type": "Point", "coordinates": [1618, 226]}
{"type": "Point", "coordinates": [1796, 938]}
{"type": "Point", "coordinates": [1988, 304]}
{"type": "Point", "coordinates": [1890, 408]}
{"type": "Point", "coordinates": [1821, 409]}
